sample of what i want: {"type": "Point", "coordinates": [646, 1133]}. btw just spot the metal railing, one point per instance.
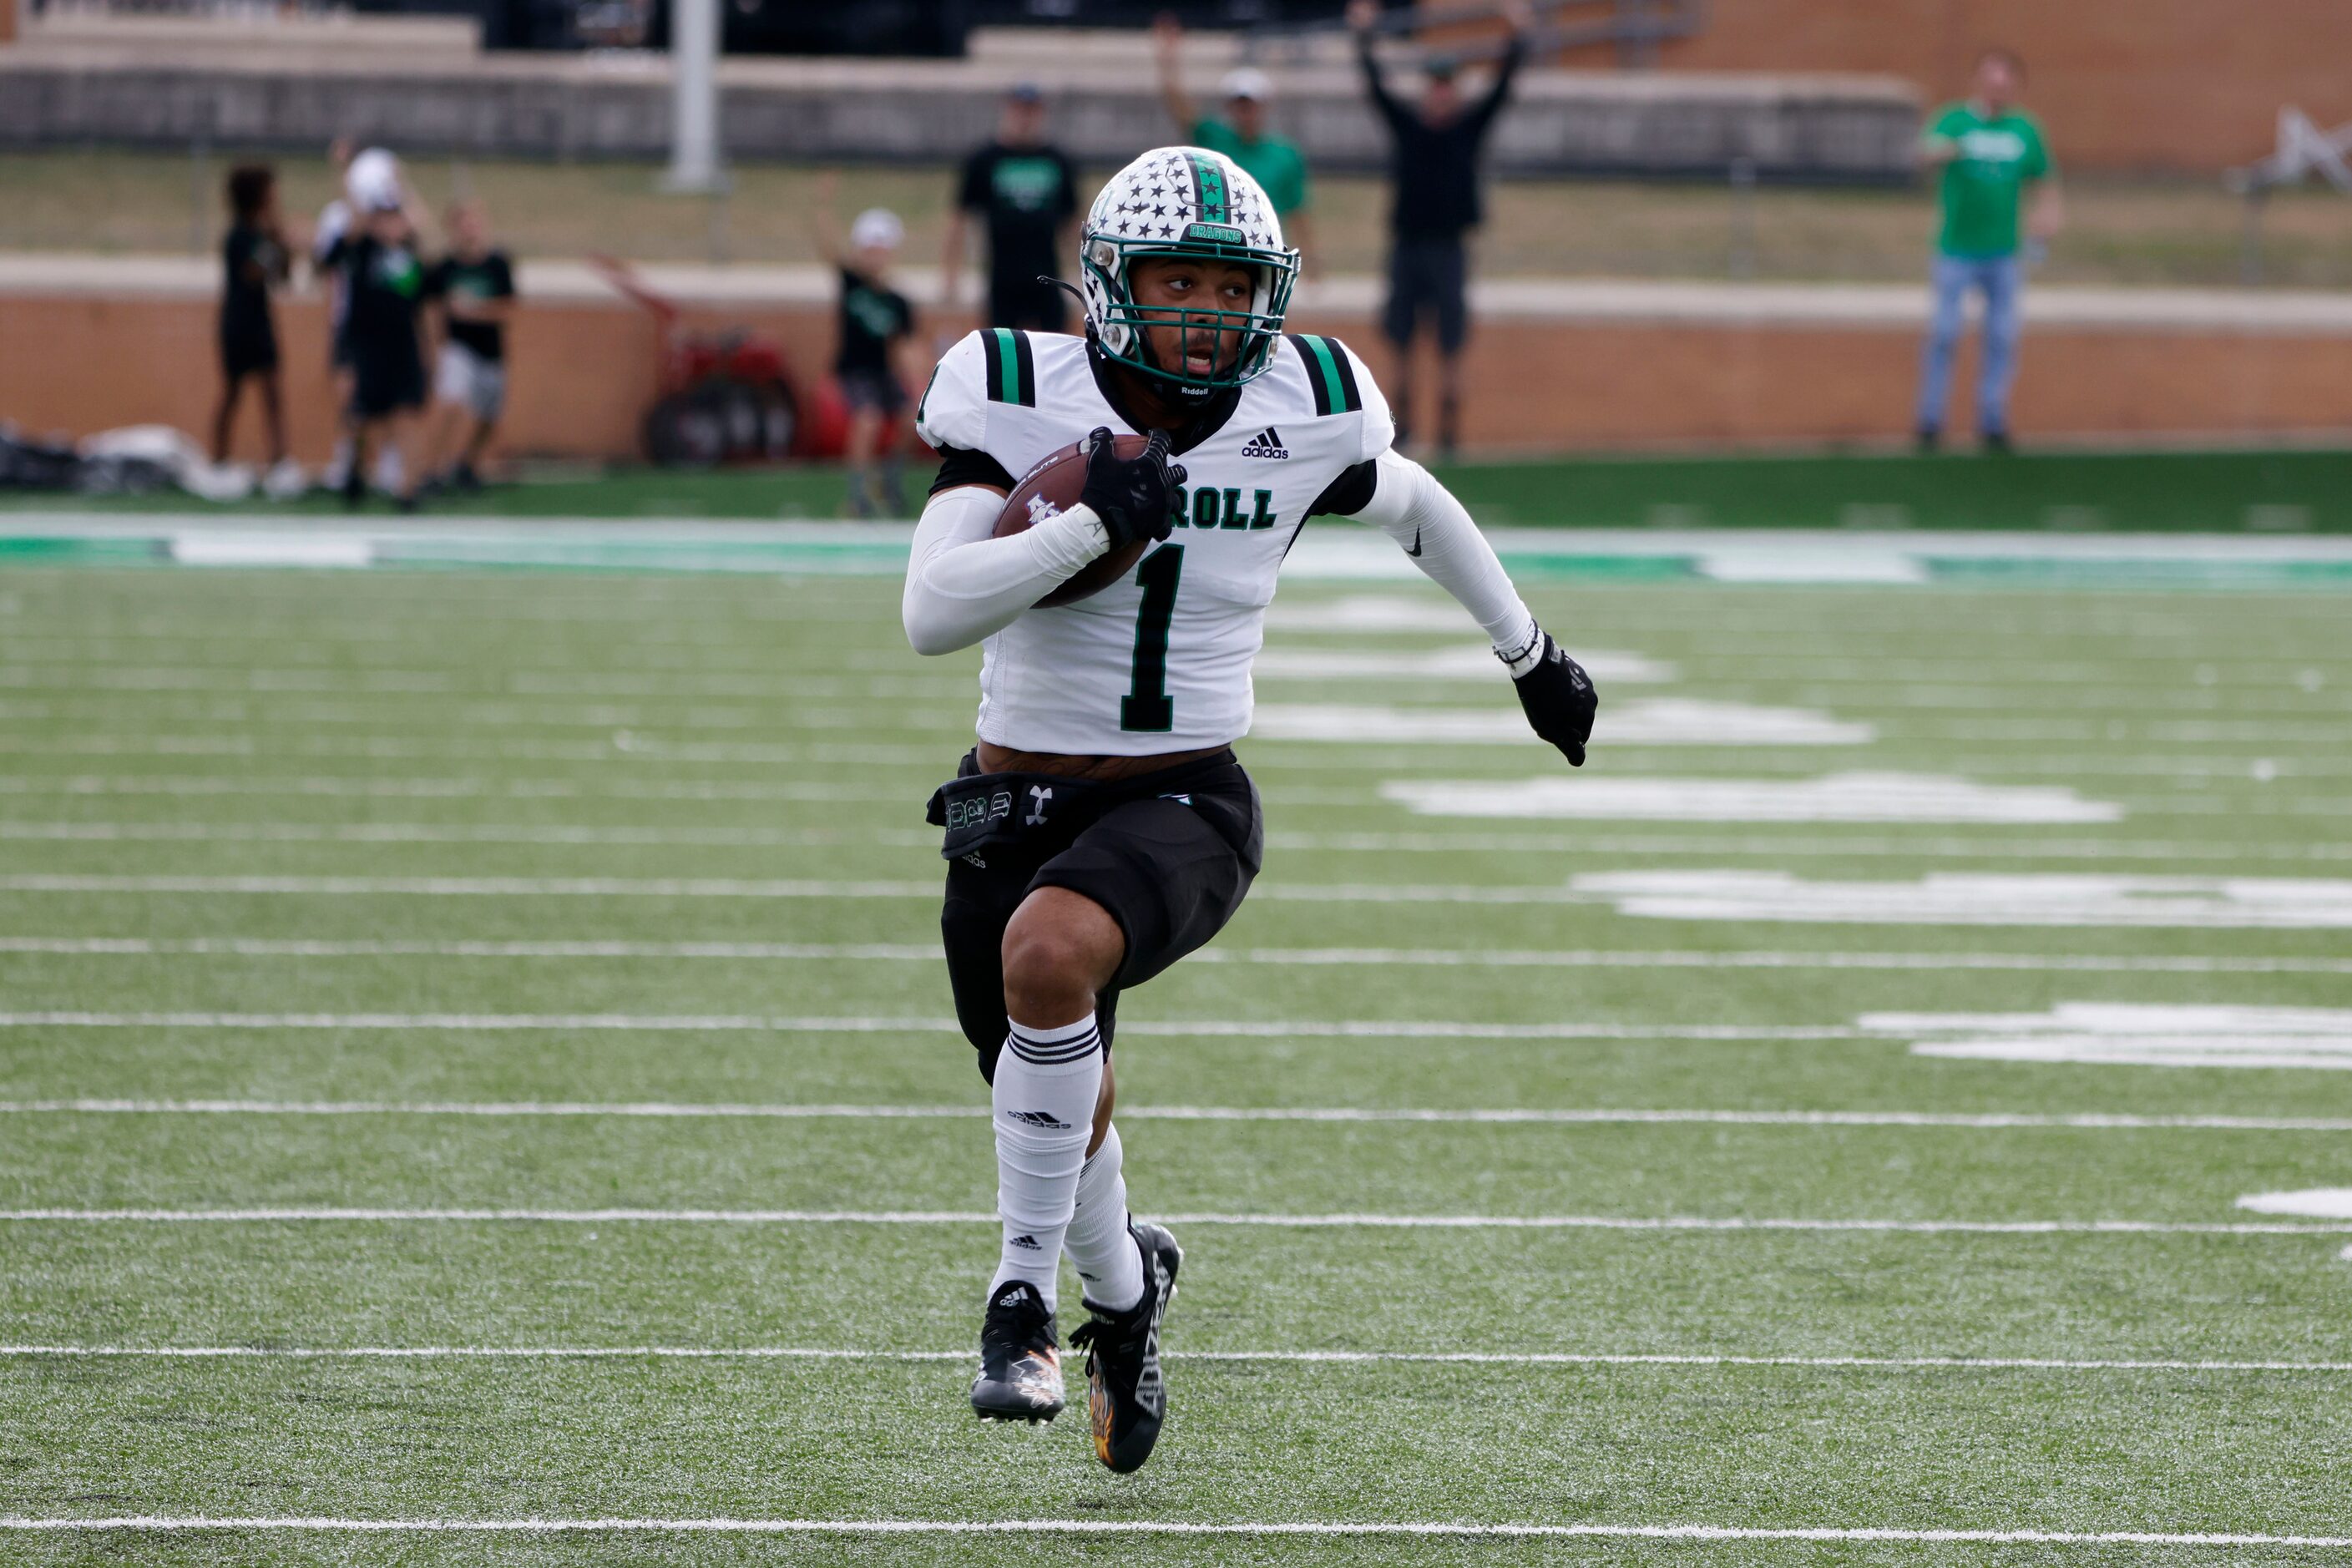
{"type": "Point", "coordinates": [241, 11]}
{"type": "Point", "coordinates": [1635, 29]}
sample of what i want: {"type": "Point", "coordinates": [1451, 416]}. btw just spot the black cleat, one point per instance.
{"type": "Point", "coordinates": [1126, 1398]}
{"type": "Point", "coordinates": [1020, 1363]}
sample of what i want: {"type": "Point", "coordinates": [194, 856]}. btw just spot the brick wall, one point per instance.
{"type": "Point", "coordinates": [583, 373]}
{"type": "Point", "coordinates": [2186, 85]}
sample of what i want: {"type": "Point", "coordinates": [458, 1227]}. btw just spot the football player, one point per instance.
{"type": "Point", "coordinates": [1102, 829]}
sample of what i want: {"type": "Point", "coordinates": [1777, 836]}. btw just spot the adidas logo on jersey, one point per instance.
{"type": "Point", "coordinates": [1038, 1119]}
{"type": "Point", "coordinates": [1266, 443]}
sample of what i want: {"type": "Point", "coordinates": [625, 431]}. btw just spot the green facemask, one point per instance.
{"type": "Point", "coordinates": [1109, 262]}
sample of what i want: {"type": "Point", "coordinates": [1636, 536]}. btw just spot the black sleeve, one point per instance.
{"type": "Point", "coordinates": [962, 466]}
{"type": "Point", "coordinates": [1482, 113]}
{"type": "Point", "coordinates": [436, 280]}
{"type": "Point", "coordinates": [1348, 494]}
{"type": "Point", "coordinates": [501, 276]}
{"type": "Point", "coordinates": [1068, 206]}
{"type": "Point", "coordinates": [905, 317]}
{"type": "Point", "coordinates": [243, 254]}
{"type": "Point", "coordinates": [972, 192]}
{"type": "Point", "coordinates": [1384, 100]}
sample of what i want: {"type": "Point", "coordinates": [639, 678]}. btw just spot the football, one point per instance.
{"type": "Point", "coordinates": [1052, 487]}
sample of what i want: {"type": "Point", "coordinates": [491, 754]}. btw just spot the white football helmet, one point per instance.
{"type": "Point", "coordinates": [1184, 201]}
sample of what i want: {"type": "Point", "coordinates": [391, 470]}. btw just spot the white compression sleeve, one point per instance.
{"type": "Point", "coordinates": [1411, 507]}
{"type": "Point", "coordinates": [962, 584]}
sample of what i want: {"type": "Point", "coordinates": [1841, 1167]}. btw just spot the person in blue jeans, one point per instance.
{"type": "Point", "coordinates": [1991, 156]}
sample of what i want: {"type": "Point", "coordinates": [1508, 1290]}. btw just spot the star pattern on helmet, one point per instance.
{"type": "Point", "coordinates": [1155, 198]}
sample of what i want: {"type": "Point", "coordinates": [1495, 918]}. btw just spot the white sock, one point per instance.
{"type": "Point", "coordinates": [1043, 1099]}
{"type": "Point", "coordinates": [1098, 1243]}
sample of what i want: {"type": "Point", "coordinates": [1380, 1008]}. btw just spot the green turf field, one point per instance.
{"type": "Point", "coordinates": [490, 1023]}
{"type": "Point", "coordinates": [2287, 491]}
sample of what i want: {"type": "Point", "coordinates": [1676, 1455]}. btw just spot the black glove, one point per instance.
{"type": "Point", "coordinates": [1559, 700]}
{"type": "Point", "coordinates": [1135, 497]}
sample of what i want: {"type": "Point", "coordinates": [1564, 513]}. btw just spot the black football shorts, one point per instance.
{"type": "Point", "coordinates": [1169, 855]}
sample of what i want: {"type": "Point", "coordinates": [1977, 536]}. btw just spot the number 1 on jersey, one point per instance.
{"type": "Point", "coordinates": [1146, 707]}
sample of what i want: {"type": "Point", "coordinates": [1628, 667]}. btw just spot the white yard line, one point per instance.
{"type": "Point", "coordinates": [2059, 685]}
{"type": "Point", "coordinates": [765, 789]}
{"type": "Point", "coordinates": [1995, 1121]}
{"type": "Point", "coordinates": [1376, 957]}
{"type": "Point", "coordinates": [380, 786]}
{"type": "Point", "coordinates": [724, 1023]}
{"type": "Point", "coordinates": [489, 887]}
{"type": "Point", "coordinates": [99, 682]}
{"type": "Point", "coordinates": [301, 947]}
{"type": "Point", "coordinates": [298, 1213]}
{"type": "Point", "coordinates": [263, 696]}
{"type": "Point", "coordinates": [2021, 900]}
{"type": "Point", "coordinates": [1648, 720]}
{"type": "Point", "coordinates": [1435, 842]}
{"type": "Point", "coordinates": [1304, 1358]}
{"type": "Point", "coordinates": [550, 834]}
{"type": "Point", "coordinates": [1111, 1527]}
{"type": "Point", "coordinates": [620, 745]}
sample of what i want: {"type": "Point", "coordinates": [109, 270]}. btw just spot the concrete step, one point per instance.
{"type": "Point", "coordinates": [2291, 312]}
{"type": "Point", "coordinates": [617, 105]}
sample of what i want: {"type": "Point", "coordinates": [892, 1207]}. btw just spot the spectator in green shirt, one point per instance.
{"type": "Point", "coordinates": [1242, 135]}
{"type": "Point", "coordinates": [1991, 157]}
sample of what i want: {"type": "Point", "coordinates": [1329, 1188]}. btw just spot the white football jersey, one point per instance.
{"type": "Point", "coordinates": [1159, 661]}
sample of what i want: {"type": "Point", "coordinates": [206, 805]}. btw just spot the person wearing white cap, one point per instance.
{"type": "Point", "coordinates": [371, 179]}
{"type": "Point", "coordinates": [385, 282]}
{"type": "Point", "coordinates": [1242, 135]}
{"type": "Point", "coordinates": [874, 363]}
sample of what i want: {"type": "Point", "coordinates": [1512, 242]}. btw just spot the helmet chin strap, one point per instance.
{"type": "Point", "coordinates": [1188, 391]}
{"type": "Point", "coordinates": [1193, 391]}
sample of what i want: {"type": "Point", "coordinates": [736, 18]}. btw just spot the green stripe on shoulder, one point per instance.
{"type": "Point", "coordinates": [1329, 374]}
{"type": "Point", "coordinates": [1012, 367]}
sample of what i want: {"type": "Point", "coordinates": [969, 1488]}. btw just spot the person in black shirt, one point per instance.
{"type": "Point", "coordinates": [1435, 204]}
{"type": "Point", "coordinates": [253, 258]}
{"type": "Point", "coordinates": [386, 284]}
{"type": "Point", "coordinates": [1026, 192]}
{"type": "Point", "coordinates": [474, 285]}
{"type": "Point", "coordinates": [873, 364]}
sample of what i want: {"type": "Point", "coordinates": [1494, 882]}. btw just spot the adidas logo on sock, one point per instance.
{"type": "Point", "coordinates": [1266, 443]}
{"type": "Point", "coordinates": [1026, 1243]}
{"type": "Point", "coordinates": [1045, 1118]}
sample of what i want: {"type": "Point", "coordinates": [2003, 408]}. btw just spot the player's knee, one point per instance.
{"type": "Point", "coordinates": [1060, 949]}
{"type": "Point", "coordinates": [1046, 974]}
